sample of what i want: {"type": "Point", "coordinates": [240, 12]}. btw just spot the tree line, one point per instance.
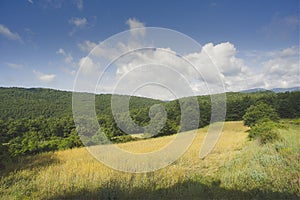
{"type": "Point", "coordinates": [39, 120]}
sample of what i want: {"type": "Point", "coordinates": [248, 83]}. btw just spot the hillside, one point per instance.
{"type": "Point", "coordinates": [38, 120]}
{"type": "Point", "coordinates": [236, 169]}
{"type": "Point", "coordinates": [19, 103]}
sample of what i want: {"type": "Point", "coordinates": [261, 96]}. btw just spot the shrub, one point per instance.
{"type": "Point", "coordinates": [296, 121]}
{"type": "Point", "coordinates": [123, 138]}
{"type": "Point", "coordinates": [265, 132]}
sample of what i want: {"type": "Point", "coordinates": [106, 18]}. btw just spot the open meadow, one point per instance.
{"type": "Point", "coordinates": [236, 169]}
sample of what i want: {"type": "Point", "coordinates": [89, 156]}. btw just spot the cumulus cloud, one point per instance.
{"type": "Point", "coordinates": [224, 56]}
{"type": "Point", "coordinates": [79, 4]}
{"type": "Point", "coordinates": [202, 71]}
{"type": "Point", "coordinates": [78, 22]}
{"type": "Point", "coordinates": [88, 66]}
{"type": "Point", "coordinates": [291, 51]}
{"type": "Point", "coordinates": [67, 56]}
{"type": "Point", "coordinates": [45, 78]}
{"type": "Point", "coordinates": [157, 65]}
{"type": "Point", "coordinates": [282, 69]}
{"type": "Point", "coordinates": [110, 53]}
{"type": "Point", "coordinates": [135, 24]}
{"type": "Point", "coordinates": [8, 34]}
{"type": "Point", "coordinates": [87, 46]}
{"type": "Point", "coordinates": [70, 69]}
{"type": "Point", "coordinates": [213, 64]}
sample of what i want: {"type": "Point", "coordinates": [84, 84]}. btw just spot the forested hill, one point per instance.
{"type": "Point", "coordinates": [18, 103]}
{"type": "Point", "coordinates": [37, 120]}
{"type": "Point", "coordinates": [31, 103]}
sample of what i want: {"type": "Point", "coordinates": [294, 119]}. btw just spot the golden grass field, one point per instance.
{"type": "Point", "coordinates": [225, 173]}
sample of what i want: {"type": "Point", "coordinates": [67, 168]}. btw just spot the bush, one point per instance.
{"type": "Point", "coordinates": [265, 132]}
{"type": "Point", "coordinates": [296, 121]}
{"type": "Point", "coordinates": [260, 113]}
{"type": "Point", "coordinates": [123, 138]}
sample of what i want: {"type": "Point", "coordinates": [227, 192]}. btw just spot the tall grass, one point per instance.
{"type": "Point", "coordinates": [236, 168]}
{"type": "Point", "coordinates": [271, 167]}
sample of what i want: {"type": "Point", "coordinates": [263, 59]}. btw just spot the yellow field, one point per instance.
{"type": "Point", "coordinates": [76, 174]}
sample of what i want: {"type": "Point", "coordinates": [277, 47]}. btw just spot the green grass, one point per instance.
{"type": "Point", "coordinates": [271, 167]}
{"type": "Point", "coordinates": [236, 169]}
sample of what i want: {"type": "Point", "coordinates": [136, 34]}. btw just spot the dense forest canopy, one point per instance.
{"type": "Point", "coordinates": [36, 120]}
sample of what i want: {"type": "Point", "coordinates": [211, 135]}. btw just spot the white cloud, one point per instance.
{"type": "Point", "coordinates": [88, 66]}
{"type": "Point", "coordinates": [291, 51]}
{"type": "Point", "coordinates": [14, 65]}
{"type": "Point", "coordinates": [67, 56]}
{"type": "Point", "coordinates": [233, 70]}
{"type": "Point", "coordinates": [68, 59]}
{"type": "Point", "coordinates": [212, 64]}
{"type": "Point", "coordinates": [282, 69]}
{"type": "Point", "coordinates": [30, 1]}
{"type": "Point", "coordinates": [87, 46]}
{"type": "Point", "coordinates": [172, 67]}
{"type": "Point", "coordinates": [282, 27]}
{"type": "Point", "coordinates": [57, 4]}
{"type": "Point", "coordinates": [68, 71]}
{"type": "Point", "coordinates": [61, 51]}
{"type": "Point", "coordinates": [135, 24]}
{"type": "Point", "coordinates": [8, 34]}
{"type": "Point", "coordinates": [277, 69]}
{"type": "Point", "coordinates": [161, 65]}
{"type": "Point", "coordinates": [79, 4]}
{"type": "Point", "coordinates": [78, 22]}
{"type": "Point", "coordinates": [45, 78]}
{"type": "Point", "coordinates": [112, 53]}
{"type": "Point", "coordinates": [224, 56]}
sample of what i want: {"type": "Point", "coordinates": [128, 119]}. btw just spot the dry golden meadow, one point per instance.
{"type": "Point", "coordinates": [236, 169]}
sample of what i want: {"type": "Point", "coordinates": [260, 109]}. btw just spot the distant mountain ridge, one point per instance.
{"type": "Point", "coordinates": [276, 90]}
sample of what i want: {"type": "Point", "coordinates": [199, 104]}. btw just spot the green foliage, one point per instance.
{"type": "Point", "coordinates": [296, 121]}
{"type": "Point", "coordinates": [123, 138]}
{"type": "Point", "coordinates": [261, 118]}
{"type": "Point", "coordinates": [37, 120]}
{"type": "Point", "coordinates": [265, 132]}
{"type": "Point", "coordinates": [259, 112]}
{"type": "Point", "coordinates": [273, 167]}
{"type": "Point", "coordinates": [288, 104]}
{"type": "Point", "coordinates": [31, 136]}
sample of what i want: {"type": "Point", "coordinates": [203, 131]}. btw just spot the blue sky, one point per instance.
{"type": "Point", "coordinates": [42, 42]}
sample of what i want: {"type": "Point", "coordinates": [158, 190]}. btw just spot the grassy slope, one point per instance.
{"type": "Point", "coordinates": [235, 169]}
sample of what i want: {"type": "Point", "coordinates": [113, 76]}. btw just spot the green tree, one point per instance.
{"type": "Point", "coordinates": [259, 112]}
{"type": "Point", "coordinates": [265, 132]}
